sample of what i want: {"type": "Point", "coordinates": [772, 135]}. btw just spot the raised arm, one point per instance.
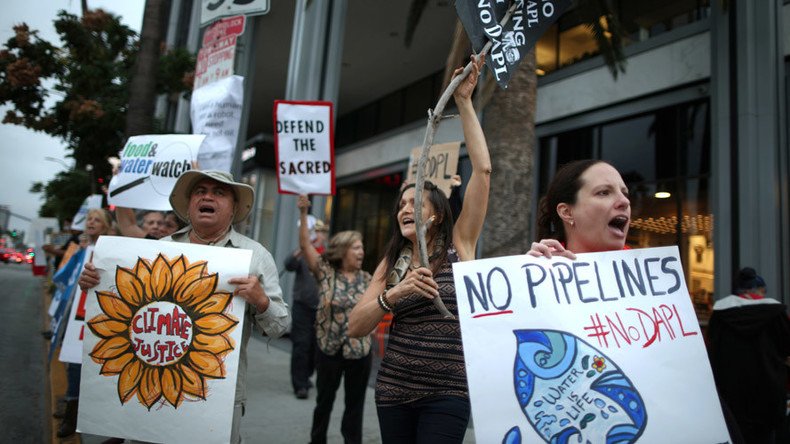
{"type": "Point", "coordinates": [127, 222]}
{"type": "Point", "coordinates": [311, 255]}
{"type": "Point", "coordinates": [470, 222]}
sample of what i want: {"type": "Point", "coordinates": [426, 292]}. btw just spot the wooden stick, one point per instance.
{"type": "Point", "coordinates": [434, 118]}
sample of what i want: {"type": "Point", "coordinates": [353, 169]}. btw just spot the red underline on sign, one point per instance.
{"type": "Point", "coordinates": [493, 314]}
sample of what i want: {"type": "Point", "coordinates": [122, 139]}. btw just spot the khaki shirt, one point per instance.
{"type": "Point", "coordinates": [276, 319]}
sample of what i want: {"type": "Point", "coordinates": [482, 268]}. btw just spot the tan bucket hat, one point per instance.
{"type": "Point", "coordinates": [179, 198]}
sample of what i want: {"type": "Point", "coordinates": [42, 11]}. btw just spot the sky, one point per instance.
{"type": "Point", "coordinates": [27, 148]}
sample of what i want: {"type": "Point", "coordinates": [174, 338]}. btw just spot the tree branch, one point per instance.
{"type": "Point", "coordinates": [434, 118]}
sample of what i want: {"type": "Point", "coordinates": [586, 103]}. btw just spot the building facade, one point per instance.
{"type": "Point", "coordinates": [697, 123]}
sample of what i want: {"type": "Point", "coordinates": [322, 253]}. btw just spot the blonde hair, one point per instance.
{"type": "Point", "coordinates": [104, 216]}
{"type": "Point", "coordinates": [339, 245]}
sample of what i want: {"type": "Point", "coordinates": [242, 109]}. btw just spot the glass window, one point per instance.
{"type": "Point", "coordinates": [630, 146]}
{"type": "Point", "coordinates": [570, 40]}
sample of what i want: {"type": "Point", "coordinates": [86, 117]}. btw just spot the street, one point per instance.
{"type": "Point", "coordinates": [24, 391]}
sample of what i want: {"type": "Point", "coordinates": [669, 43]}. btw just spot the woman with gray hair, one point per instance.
{"type": "Point", "coordinates": [341, 283]}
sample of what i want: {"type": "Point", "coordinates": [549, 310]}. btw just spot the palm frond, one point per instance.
{"type": "Point", "coordinates": [607, 31]}
{"type": "Point", "coordinates": [416, 10]}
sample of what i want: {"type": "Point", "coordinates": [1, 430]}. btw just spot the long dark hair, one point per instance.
{"type": "Point", "coordinates": [442, 230]}
{"type": "Point", "coordinates": [564, 188]}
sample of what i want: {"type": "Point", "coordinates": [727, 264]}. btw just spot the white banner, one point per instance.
{"type": "Point", "coordinates": [305, 147]}
{"type": "Point", "coordinates": [212, 9]}
{"type": "Point", "coordinates": [71, 350]}
{"type": "Point", "coordinates": [216, 112]}
{"type": "Point", "coordinates": [161, 349]}
{"type": "Point", "coordinates": [150, 167]}
{"type": "Point", "coordinates": [90, 202]}
{"type": "Point", "coordinates": [606, 348]}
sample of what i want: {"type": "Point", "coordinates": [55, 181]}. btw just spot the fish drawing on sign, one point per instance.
{"type": "Point", "coordinates": [571, 392]}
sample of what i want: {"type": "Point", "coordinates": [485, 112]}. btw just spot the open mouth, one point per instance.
{"type": "Point", "coordinates": [619, 223]}
{"type": "Point", "coordinates": [407, 221]}
{"type": "Point", "coordinates": [206, 209]}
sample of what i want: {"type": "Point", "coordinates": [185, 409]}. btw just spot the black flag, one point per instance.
{"type": "Point", "coordinates": [512, 41]}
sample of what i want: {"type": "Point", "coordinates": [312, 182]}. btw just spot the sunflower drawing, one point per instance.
{"type": "Point", "coordinates": [166, 331]}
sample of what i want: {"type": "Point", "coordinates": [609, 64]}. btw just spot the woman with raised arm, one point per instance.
{"type": "Point", "coordinates": [586, 209]}
{"type": "Point", "coordinates": [421, 390]}
{"type": "Point", "coordinates": [341, 283]}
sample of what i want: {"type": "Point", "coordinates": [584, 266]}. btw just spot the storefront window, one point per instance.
{"type": "Point", "coordinates": [570, 39]}
{"type": "Point", "coordinates": [663, 157]}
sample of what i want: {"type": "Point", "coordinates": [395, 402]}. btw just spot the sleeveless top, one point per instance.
{"type": "Point", "coordinates": [424, 355]}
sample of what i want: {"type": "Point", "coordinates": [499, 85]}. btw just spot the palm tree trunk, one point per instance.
{"type": "Point", "coordinates": [509, 125]}
{"type": "Point", "coordinates": [142, 91]}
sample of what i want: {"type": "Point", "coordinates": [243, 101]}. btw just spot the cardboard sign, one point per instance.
{"type": "Point", "coordinates": [510, 42]}
{"type": "Point", "coordinates": [216, 112]}
{"type": "Point", "coordinates": [161, 352]}
{"type": "Point", "coordinates": [442, 164]}
{"type": "Point", "coordinates": [216, 57]}
{"type": "Point", "coordinates": [212, 9]}
{"type": "Point", "coordinates": [305, 147]}
{"type": "Point", "coordinates": [90, 202]}
{"type": "Point", "coordinates": [601, 347]}
{"type": "Point", "coordinates": [150, 167]}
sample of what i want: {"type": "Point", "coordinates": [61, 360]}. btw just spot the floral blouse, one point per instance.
{"type": "Point", "coordinates": [338, 296]}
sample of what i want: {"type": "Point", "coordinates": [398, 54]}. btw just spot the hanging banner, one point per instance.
{"type": "Point", "coordinates": [606, 348]}
{"type": "Point", "coordinates": [161, 354]}
{"type": "Point", "coordinates": [90, 202]}
{"type": "Point", "coordinates": [71, 350]}
{"type": "Point", "coordinates": [150, 167]}
{"type": "Point", "coordinates": [512, 41]}
{"type": "Point", "coordinates": [216, 112]}
{"type": "Point", "coordinates": [216, 57]}
{"type": "Point", "coordinates": [212, 9]}
{"type": "Point", "coordinates": [304, 146]}
{"type": "Point", "coordinates": [440, 168]}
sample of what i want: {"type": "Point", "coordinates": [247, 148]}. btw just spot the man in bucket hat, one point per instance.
{"type": "Point", "coordinates": [211, 202]}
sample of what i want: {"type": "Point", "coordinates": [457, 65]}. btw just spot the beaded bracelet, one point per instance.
{"type": "Point", "coordinates": [383, 302]}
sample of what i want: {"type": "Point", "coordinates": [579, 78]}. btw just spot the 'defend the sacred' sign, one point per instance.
{"type": "Point", "coordinates": [161, 348]}
{"type": "Point", "coordinates": [606, 348]}
{"type": "Point", "coordinates": [510, 41]}
{"type": "Point", "coordinates": [304, 147]}
{"type": "Point", "coordinates": [150, 167]}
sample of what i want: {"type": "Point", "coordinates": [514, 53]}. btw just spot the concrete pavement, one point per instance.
{"type": "Point", "coordinates": [274, 415]}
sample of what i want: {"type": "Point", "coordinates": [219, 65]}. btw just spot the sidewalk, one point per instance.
{"type": "Point", "coordinates": [274, 415]}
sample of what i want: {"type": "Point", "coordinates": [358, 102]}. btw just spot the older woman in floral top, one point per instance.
{"type": "Point", "coordinates": [341, 283]}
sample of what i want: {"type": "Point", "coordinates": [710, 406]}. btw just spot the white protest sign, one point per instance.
{"type": "Point", "coordinates": [71, 350]}
{"type": "Point", "coordinates": [216, 56]}
{"type": "Point", "coordinates": [606, 348]}
{"type": "Point", "coordinates": [150, 167]}
{"type": "Point", "coordinates": [161, 346]}
{"type": "Point", "coordinates": [216, 112]}
{"type": "Point", "coordinates": [36, 237]}
{"type": "Point", "coordinates": [305, 147]}
{"type": "Point", "coordinates": [440, 168]}
{"type": "Point", "coordinates": [90, 202]}
{"type": "Point", "coordinates": [211, 9]}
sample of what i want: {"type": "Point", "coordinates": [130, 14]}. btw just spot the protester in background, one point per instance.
{"type": "Point", "coordinates": [748, 344]}
{"type": "Point", "coordinates": [151, 228]}
{"type": "Point", "coordinates": [57, 251]}
{"type": "Point", "coordinates": [212, 201]}
{"type": "Point", "coordinates": [305, 302]}
{"type": "Point", "coordinates": [586, 209]}
{"type": "Point", "coordinates": [421, 389]}
{"type": "Point", "coordinates": [97, 223]}
{"type": "Point", "coordinates": [172, 224]}
{"type": "Point", "coordinates": [341, 283]}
